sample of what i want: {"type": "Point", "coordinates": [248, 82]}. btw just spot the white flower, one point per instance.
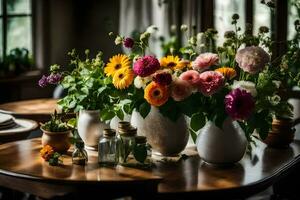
{"type": "Point", "coordinates": [141, 82]}
{"type": "Point", "coordinates": [246, 85]}
{"type": "Point", "coordinates": [151, 29]}
{"type": "Point", "coordinates": [118, 40]}
{"type": "Point", "coordinates": [183, 27]}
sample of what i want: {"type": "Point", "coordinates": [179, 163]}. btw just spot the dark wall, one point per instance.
{"type": "Point", "coordinates": [80, 24]}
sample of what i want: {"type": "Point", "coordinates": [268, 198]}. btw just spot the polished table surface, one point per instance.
{"type": "Point", "coordinates": [22, 168]}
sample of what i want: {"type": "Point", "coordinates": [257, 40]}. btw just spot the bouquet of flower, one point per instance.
{"type": "Point", "coordinates": [199, 80]}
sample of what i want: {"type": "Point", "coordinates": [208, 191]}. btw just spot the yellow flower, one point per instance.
{"type": "Point", "coordinates": [123, 78]}
{"type": "Point", "coordinates": [171, 62]}
{"type": "Point", "coordinates": [116, 63]}
{"type": "Point", "coordinates": [184, 64]}
{"type": "Point", "coordinates": [156, 94]}
{"type": "Point", "coordinates": [228, 72]}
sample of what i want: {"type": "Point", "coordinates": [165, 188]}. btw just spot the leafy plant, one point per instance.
{"type": "Point", "coordinates": [55, 124]}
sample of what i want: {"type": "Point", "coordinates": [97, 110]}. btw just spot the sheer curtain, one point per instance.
{"type": "Point", "coordinates": [137, 15]}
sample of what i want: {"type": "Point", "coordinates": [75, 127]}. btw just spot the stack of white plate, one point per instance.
{"type": "Point", "coordinates": [7, 122]}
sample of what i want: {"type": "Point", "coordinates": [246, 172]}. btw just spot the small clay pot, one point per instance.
{"type": "Point", "coordinates": [59, 141]}
{"type": "Point", "coordinates": [282, 133]}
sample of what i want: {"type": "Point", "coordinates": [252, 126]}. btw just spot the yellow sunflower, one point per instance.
{"type": "Point", "coordinates": [228, 72]}
{"type": "Point", "coordinates": [171, 62]}
{"type": "Point", "coordinates": [123, 78]}
{"type": "Point", "coordinates": [116, 63]}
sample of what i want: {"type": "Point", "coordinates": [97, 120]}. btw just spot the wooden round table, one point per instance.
{"type": "Point", "coordinates": [183, 179]}
{"type": "Point", "coordinates": [36, 109]}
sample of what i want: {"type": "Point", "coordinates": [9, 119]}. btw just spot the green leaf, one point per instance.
{"type": "Point", "coordinates": [193, 135]}
{"type": "Point", "coordinates": [140, 153]}
{"type": "Point", "coordinates": [120, 114]}
{"type": "Point", "coordinates": [170, 110]}
{"type": "Point", "coordinates": [198, 120]}
{"type": "Point", "coordinates": [144, 109]}
{"type": "Point", "coordinates": [72, 122]}
{"type": "Point", "coordinates": [106, 114]}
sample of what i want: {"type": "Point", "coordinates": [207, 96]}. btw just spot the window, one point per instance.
{"type": "Point", "coordinates": [15, 25]}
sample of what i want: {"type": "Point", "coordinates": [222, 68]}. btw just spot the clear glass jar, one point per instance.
{"type": "Point", "coordinates": [142, 151]}
{"type": "Point", "coordinates": [107, 148]}
{"type": "Point", "coordinates": [79, 156]}
{"type": "Point", "coordinates": [126, 142]}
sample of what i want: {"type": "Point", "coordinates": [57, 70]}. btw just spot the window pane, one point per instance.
{"type": "Point", "coordinates": [18, 7]}
{"type": "Point", "coordinates": [262, 16]}
{"type": "Point", "coordinates": [1, 41]}
{"type": "Point", "coordinates": [19, 33]}
{"type": "Point", "coordinates": [294, 8]}
{"type": "Point", "coordinates": [224, 9]}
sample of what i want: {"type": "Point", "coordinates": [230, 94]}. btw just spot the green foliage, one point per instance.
{"type": "Point", "coordinates": [55, 124]}
{"type": "Point", "coordinates": [140, 152]}
{"type": "Point", "coordinates": [55, 159]}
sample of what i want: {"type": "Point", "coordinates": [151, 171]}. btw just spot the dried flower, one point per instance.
{"type": "Point", "coordinates": [252, 59]}
{"type": "Point", "coordinates": [146, 66]}
{"type": "Point", "coordinates": [239, 104]}
{"type": "Point", "coordinates": [210, 82]}
{"type": "Point", "coordinates": [204, 61]}
{"type": "Point", "coordinates": [263, 29]}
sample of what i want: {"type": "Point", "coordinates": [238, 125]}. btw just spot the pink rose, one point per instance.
{"type": "Point", "coordinates": [191, 76]}
{"type": "Point", "coordinates": [180, 90]}
{"type": "Point", "coordinates": [210, 82]}
{"type": "Point", "coordinates": [204, 61]}
{"type": "Point", "coordinates": [252, 59]}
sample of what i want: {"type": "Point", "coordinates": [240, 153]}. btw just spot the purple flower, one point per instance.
{"type": "Point", "coordinates": [252, 59]}
{"type": "Point", "coordinates": [239, 104]}
{"type": "Point", "coordinates": [128, 43]}
{"type": "Point", "coordinates": [54, 78]}
{"type": "Point", "coordinates": [43, 82]}
{"type": "Point", "coordinates": [163, 78]}
{"type": "Point", "coordinates": [146, 66]}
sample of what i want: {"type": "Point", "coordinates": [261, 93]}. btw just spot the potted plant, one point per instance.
{"type": "Point", "coordinates": [86, 96]}
{"type": "Point", "coordinates": [56, 134]}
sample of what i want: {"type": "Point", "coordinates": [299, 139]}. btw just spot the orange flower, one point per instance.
{"type": "Point", "coordinates": [46, 152]}
{"type": "Point", "coordinates": [156, 94]}
{"type": "Point", "coordinates": [228, 72]}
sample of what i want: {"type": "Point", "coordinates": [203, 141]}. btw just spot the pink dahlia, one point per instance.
{"type": "Point", "coordinates": [128, 43]}
{"type": "Point", "coordinates": [146, 66]}
{"type": "Point", "coordinates": [180, 90]}
{"type": "Point", "coordinates": [204, 61]}
{"type": "Point", "coordinates": [191, 76]}
{"type": "Point", "coordinates": [210, 82]}
{"type": "Point", "coordinates": [239, 104]}
{"type": "Point", "coordinates": [252, 59]}
{"type": "Point", "coordinates": [162, 78]}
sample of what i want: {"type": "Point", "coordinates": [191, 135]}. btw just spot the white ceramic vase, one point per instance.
{"type": "Point", "coordinates": [167, 138]}
{"type": "Point", "coordinates": [221, 147]}
{"type": "Point", "coordinates": [90, 128]}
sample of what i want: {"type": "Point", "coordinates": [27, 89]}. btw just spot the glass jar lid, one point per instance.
{"type": "Point", "coordinates": [108, 132]}
{"type": "Point", "coordinates": [128, 132]}
{"type": "Point", "coordinates": [140, 139]}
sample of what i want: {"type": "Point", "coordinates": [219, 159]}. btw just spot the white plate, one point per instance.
{"type": "Point", "coordinates": [25, 126]}
{"type": "Point", "coordinates": [5, 118]}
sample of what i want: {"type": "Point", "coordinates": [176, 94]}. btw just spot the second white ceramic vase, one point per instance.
{"type": "Point", "coordinates": [166, 137]}
{"type": "Point", "coordinates": [221, 146]}
{"type": "Point", "coordinates": [90, 128]}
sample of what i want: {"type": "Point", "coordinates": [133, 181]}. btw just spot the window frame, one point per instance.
{"type": "Point", "coordinates": [5, 16]}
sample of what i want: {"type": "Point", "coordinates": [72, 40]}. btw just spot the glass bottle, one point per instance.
{"type": "Point", "coordinates": [79, 156]}
{"type": "Point", "coordinates": [107, 148]}
{"type": "Point", "coordinates": [142, 151]}
{"type": "Point", "coordinates": [126, 142]}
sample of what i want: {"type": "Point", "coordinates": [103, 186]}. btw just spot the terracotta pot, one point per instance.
{"type": "Point", "coordinates": [282, 133]}
{"type": "Point", "coordinates": [224, 146]}
{"type": "Point", "coordinates": [167, 138]}
{"type": "Point", "coordinates": [60, 141]}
